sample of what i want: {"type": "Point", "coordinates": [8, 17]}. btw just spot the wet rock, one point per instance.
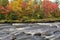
{"type": "Point", "coordinates": [28, 34]}
{"type": "Point", "coordinates": [47, 39]}
{"type": "Point", "coordinates": [20, 34]}
{"type": "Point", "coordinates": [37, 34]}
{"type": "Point", "coordinates": [48, 34]}
{"type": "Point", "coordinates": [56, 31]}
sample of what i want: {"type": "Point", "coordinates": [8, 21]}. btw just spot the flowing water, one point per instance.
{"type": "Point", "coordinates": [28, 31]}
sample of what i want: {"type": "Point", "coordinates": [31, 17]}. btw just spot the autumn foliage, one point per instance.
{"type": "Point", "coordinates": [49, 7]}
{"type": "Point", "coordinates": [27, 10]}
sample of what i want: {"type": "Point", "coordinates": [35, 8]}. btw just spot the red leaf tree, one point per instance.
{"type": "Point", "coordinates": [4, 10]}
{"type": "Point", "coordinates": [49, 7]}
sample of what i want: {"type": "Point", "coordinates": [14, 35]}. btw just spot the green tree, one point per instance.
{"type": "Point", "coordinates": [4, 2]}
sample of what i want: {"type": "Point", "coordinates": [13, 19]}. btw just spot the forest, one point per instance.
{"type": "Point", "coordinates": [29, 11]}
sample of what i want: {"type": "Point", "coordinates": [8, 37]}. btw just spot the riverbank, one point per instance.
{"type": "Point", "coordinates": [47, 20]}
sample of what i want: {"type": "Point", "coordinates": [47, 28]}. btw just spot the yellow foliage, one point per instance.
{"type": "Point", "coordinates": [16, 5]}
{"type": "Point", "coordinates": [31, 2]}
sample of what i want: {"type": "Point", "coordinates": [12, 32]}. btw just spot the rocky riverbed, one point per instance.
{"type": "Point", "coordinates": [30, 31]}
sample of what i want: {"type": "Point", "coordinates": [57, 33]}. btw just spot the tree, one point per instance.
{"type": "Point", "coordinates": [4, 2]}
{"type": "Point", "coordinates": [49, 7]}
